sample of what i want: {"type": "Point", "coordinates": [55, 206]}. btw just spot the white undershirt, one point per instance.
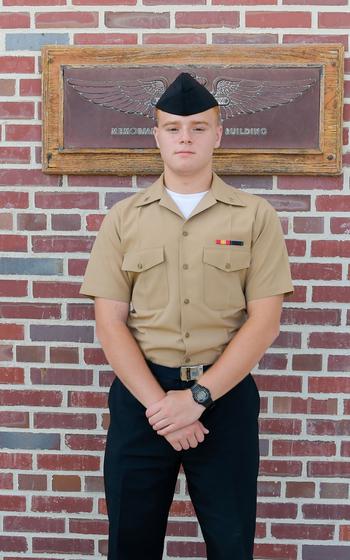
{"type": "Point", "coordinates": [186, 202]}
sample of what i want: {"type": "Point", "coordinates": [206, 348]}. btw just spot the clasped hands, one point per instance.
{"type": "Point", "coordinates": [175, 417]}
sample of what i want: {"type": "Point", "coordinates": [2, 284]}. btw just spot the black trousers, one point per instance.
{"type": "Point", "coordinates": [141, 470]}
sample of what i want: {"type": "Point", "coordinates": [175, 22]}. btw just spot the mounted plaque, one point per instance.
{"type": "Point", "coordinates": [281, 106]}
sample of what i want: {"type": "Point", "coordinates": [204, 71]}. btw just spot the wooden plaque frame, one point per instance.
{"type": "Point", "coordinates": [114, 161]}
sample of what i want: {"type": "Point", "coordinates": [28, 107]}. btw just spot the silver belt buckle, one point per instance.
{"type": "Point", "coordinates": [187, 373]}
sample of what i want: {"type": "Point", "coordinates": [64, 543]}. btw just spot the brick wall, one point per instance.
{"type": "Point", "coordinates": [54, 378]}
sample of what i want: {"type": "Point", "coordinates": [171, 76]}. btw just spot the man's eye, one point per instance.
{"type": "Point", "coordinates": [172, 129]}
{"type": "Point", "coordinates": [199, 128]}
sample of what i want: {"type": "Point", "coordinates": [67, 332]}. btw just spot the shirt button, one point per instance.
{"type": "Point", "coordinates": [186, 300]}
{"type": "Point", "coordinates": [139, 265]}
{"type": "Point", "coordinates": [185, 233]}
{"type": "Point", "coordinates": [185, 266]}
{"type": "Point", "coordinates": [187, 334]}
{"type": "Point", "coordinates": [227, 265]}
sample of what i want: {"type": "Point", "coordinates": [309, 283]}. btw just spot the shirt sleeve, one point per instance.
{"type": "Point", "coordinates": [269, 271]}
{"type": "Point", "coordinates": [104, 276]}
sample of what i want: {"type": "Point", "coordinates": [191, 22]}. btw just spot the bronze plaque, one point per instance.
{"type": "Point", "coordinates": [262, 107]}
{"type": "Point", "coordinates": [281, 106]}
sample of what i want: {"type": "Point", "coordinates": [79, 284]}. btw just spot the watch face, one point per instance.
{"type": "Point", "coordinates": [202, 395]}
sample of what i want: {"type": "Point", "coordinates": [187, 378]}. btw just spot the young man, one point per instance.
{"type": "Point", "coordinates": [188, 278]}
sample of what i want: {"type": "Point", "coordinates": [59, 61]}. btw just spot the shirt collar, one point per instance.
{"type": "Point", "coordinates": [219, 191]}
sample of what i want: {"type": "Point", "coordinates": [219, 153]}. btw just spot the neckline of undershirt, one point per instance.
{"type": "Point", "coordinates": [185, 195]}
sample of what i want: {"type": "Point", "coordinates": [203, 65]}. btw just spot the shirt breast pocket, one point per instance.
{"type": "Point", "coordinates": [224, 276]}
{"type": "Point", "coordinates": [148, 271]}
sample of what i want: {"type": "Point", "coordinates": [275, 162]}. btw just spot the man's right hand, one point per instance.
{"type": "Point", "coordinates": [188, 436]}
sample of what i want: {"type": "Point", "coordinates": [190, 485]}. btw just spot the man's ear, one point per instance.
{"type": "Point", "coordinates": [155, 130]}
{"type": "Point", "coordinates": [219, 132]}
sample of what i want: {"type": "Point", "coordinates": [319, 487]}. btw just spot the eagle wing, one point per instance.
{"type": "Point", "coordinates": [133, 97]}
{"type": "Point", "coordinates": [241, 96]}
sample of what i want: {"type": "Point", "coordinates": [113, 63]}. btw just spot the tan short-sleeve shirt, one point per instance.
{"type": "Point", "coordinates": [188, 281]}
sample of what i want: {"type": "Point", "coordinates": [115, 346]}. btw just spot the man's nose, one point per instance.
{"type": "Point", "coordinates": [186, 136]}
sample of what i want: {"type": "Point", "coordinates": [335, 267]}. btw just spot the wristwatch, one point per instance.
{"type": "Point", "coordinates": [202, 395]}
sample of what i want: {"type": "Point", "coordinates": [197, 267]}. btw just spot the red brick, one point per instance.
{"type": "Point", "coordinates": [62, 244]}
{"type": "Point", "coordinates": [300, 489]}
{"type": "Point", "coordinates": [316, 271]}
{"type": "Point", "coordinates": [33, 524]}
{"type": "Point", "coordinates": [21, 461]}
{"type": "Point", "coordinates": [174, 38]}
{"type": "Point", "coordinates": [94, 484]}
{"type": "Point", "coordinates": [30, 353]}
{"type": "Point", "coordinates": [16, 110]}
{"type": "Point", "coordinates": [327, 427]}
{"type": "Point", "coordinates": [94, 221]}
{"type": "Point", "coordinates": [31, 222]}
{"type": "Point", "coordinates": [80, 312]}
{"type": "Point", "coordinates": [276, 510]}
{"type": "Point", "coordinates": [14, 20]}
{"type": "Point", "coordinates": [136, 19]}
{"type": "Point", "coordinates": [339, 294]}
{"type": "Point", "coordinates": [13, 288]}
{"type": "Point", "coordinates": [34, 3]}
{"type": "Point", "coordinates": [66, 222]}
{"type": "Point", "coordinates": [63, 505]}
{"type": "Point", "coordinates": [330, 248]}
{"type": "Point", "coordinates": [64, 355]}
{"type": "Point", "coordinates": [280, 468]}
{"type": "Point", "coordinates": [278, 19]}
{"type": "Point", "coordinates": [88, 526]}
{"type": "Point", "coordinates": [326, 384]}
{"type": "Point", "coordinates": [186, 549]}
{"type": "Point", "coordinates": [325, 511]}
{"type": "Point", "coordinates": [334, 490]}
{"type": "Point", "coordinates": [43, 289]}
{"type": "Point", "coordinates": [329, 340]}
{"type": "Point", "coordinates": [27, 177]}
{"type": "Point", "coordinates": [13, 375]}
{"type": "Point", "coordinates": [6, 481]}
{"type": "Point", "coordinates": [85, 442]}
{"type": "Point", "coordinates": [66, 19]}
{"type": "Point", "coordinates": [173, 2]}
{"type": "Point", "coordinates": [13, 242]}
{"type": "Point", "coordinates": [280, 426]}
{"type": "Point", "coordinates": [329, 468]}
{"type": "Point", "coordinates": [287, 339]}
{"type": "Point", "coordinates": [87, 399]}
{"type": "Point", "coordinates": [302, 531]}
{"type": "Point", "coordinates": [31, 87]}
{"type": "Point", "coordinates": [103, 2]}
{"type": "Point", "coordinates": [17, 64]}
{"type": "Point", "coordinates": [297, 448]}
{"type": "Point", "coordinates": [334, 20]}
{"type": "Point", "coordinates": [30, 310]}
{"type": "Point", "coordinates": [32, 482]}
{"type": "Point", "coordinates": [7, 87]}
{"type": "Point", "coordinates": [106, 38]}
{"type": "Point", "coordinates": [23, 132]}
{"type": "Point", "coordinates": [63, 545]}
{"type": "Point", "coordinates": [273, 361]}
{"type": "Point", "coordinates": [241, 38]}
{"type": "Point", "coordinates": [94, 356]}
{"type": "Point", "coordinates": [60, 376]}
{"type": "Point", "coordinates": [76, 267]}
{"type": "Point", "coordinates": [6, 352]}
{"type": "Point", "coordinates": [340, 225]}
{"type": "Point", "coordinates": [99, 181]}
{"type": "Point", "coordinates": [13, 544]}
{"type": "Point", "coordinates": [69, 200]}
{"type": "Point", "coordinates": [9, 154]}
{"type": "Point", "coordinates": [333, 203]}
{"type": "Point", "coordinates": [11, 332]}
{"type": "Point", "coordinates": [313, 316]}
{"type": "Point", "coordinates": [14, 199]}
{"type": "Point", "coordinates": [296, 247]}
{"type": "Point", "coordinates": [68, 462]}
{"type": "Point", "coordinates": [14, 419]}
{"type": "Point", "coordinates": [309, 183]}
{"type": "Point", "coordinates": [72, 421]}
{"type": "Point", "coordinates": [66, 483]}
{"type": "Point", "coordinates": [298, 405]}
{"type": "Point", "coordinates": [308, 225]}
{"type": "Point", "coordinates": [277, 383]}
{"type": "Point", "coordinates": [344, 532]}
{"type": "Point", "coordinates": [31, 398]}
{"type": "Point", "coordinates": [6, 221]}
{"type": "Point", "coordinates": [204, 19]}
{"type": "Point", "coordinates": [339, 363]}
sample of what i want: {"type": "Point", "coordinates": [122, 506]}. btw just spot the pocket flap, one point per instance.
{"type": "Point", "coordinates": [138, 261]}
{"type": "Point", "coordinates": [226, 258]}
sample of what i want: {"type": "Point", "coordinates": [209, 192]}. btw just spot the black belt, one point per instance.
{"type": "Point", "coordinates": [185, 373]}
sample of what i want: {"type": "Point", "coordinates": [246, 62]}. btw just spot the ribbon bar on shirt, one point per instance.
{"type": "Point", "coordinates": [229, 242]}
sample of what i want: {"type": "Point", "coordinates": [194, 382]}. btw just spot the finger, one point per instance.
{"type": "Point", "coordinates": [165, 431]}
{"type": "Point", "coordinates": [184, 443]}
{"type": "Point", "coordinates": [161, 424]}
{"type": "Point", "coordinates": [199, 436]}
{"type": "Point", "coordinates": [192, 441]}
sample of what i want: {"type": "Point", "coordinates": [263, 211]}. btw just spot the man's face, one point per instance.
{"type": "Point", "coordinates": [186, 144]}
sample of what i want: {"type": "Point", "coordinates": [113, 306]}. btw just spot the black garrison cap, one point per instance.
{"type": "Point", "coordinates": [185, 96]}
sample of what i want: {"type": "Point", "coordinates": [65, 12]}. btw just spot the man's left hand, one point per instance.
{"type": "Point", "coordinates": [174, 411]}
